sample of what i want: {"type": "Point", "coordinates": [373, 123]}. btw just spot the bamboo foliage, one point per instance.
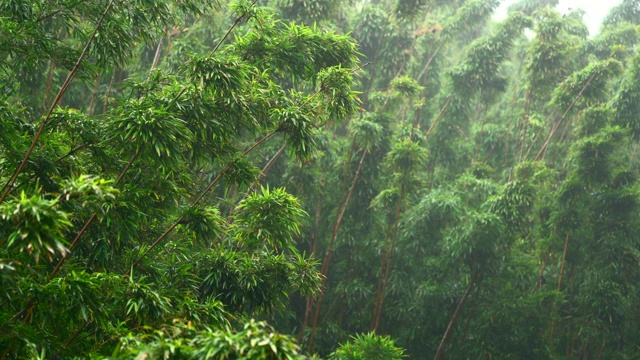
{"type": "Point", "coordinates": [305, 178]}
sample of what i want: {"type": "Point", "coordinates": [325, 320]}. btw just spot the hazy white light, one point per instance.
{"type": "Point", "coordinates": [595, 10]}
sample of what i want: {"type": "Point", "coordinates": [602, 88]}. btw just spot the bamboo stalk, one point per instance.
{"type": "Point", "coordinates": [388, 261]}
{"type": "Point", "coordinates": [383, 256]}
{"type": "Point", "coordinates": [94, 95]}
{"type": "Point", "coordinates": [555, 128]}
{"type": "Point", "coordinates": [454, 318]}
{"type": "Point", "coordinates": [562, 263]}
{"type": "Point", "coordinates": [564, 257]}
{"type": "Point", "coordinates": [325, 264]}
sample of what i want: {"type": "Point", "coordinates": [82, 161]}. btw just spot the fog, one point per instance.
{"type": "Point", "coordinates": [595, 10]}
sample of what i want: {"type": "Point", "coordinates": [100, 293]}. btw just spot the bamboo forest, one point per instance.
{"type": "Point", "coordinates": [319, 179]}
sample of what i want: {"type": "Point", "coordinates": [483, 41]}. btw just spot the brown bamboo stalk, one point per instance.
{"type": "Point", "coordinates": [601, 349]}
{"type": "Point", "coordinates": [365, 95]}
{"type": "Point", "coordinates": [388, 261]}
{"type": "Point", "coordinates": [108, 93]}
{"type": "Point", "coordinates": [345, 173]}
{"type": "Point", "coordinates": [94, 94]}
{"type": "Point", "coordinates": [440, 114]}
{"type": "Point", "coordinates": [32, 176]}
{"type": "Point", "coordinates": [540, 273]}
{"type": "Point", "coordinates": [634, 153]}
{"type": "Point", "coordinates": [156, 56]}
{"type": "Point", "coordinates": [325, 264]}
{"type": "Point", "coordinates": [555, 128]}
{"type": "Point", "coordinates": [263, 173]}
{"type": "Point", "coordinates": [425, 70]}
{"type": "Point", "coordinates": [566, 129]}
{"type": "Point", "coordinates": [454, 318]}
{"type": "Point", "coordinates": [505, 133]}
{"type": "Point", "coordinates": [525, 122]}
{"type": "Point", "coordinates": [535, 137]}
{"type": "Point", "coordinates": [47, 87]}
{"type": "Point", "coordinates": [473, 307]}
{"type": "Point", "coordinates": [343, 190]}
{"type": "Point", "coordinates": [383, 257]}
{"type": "Point", "coordinates": [307, 314]}
{"type": "Point", "coordinates": [564, 257]}
{"type": "Point", "coordinates": [562, 262]}
{"type": "Point", "coordinates": [313, 241]}
{"type": "Point", "coordinates": [265, 170]}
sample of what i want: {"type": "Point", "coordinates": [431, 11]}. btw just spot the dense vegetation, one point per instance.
{"type": "Point", "coordinates": [288, 179]}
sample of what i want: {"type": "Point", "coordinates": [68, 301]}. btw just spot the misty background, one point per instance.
{"type": "Point", "coordinates": [595, 11]}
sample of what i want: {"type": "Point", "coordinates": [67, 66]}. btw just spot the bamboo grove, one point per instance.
{"type": "Point", "coordinates": [293, 179]}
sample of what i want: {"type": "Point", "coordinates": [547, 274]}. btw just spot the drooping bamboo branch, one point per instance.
{"type": "Point", "coordinates": [88, 222]}
{"type": "Point", "coordinates": [215, 48]}
{"type": "Point", "coordinates": [217, 179]}
{"type": "Point", "coordinates": [194, 203]}
{"type": "Point", "coordinates": [29, 308]}
{"type": "Point", "coordinates": [7, 188]}
{"type": "Point", "coordinates": [65, 85]}
{"type": "Point", "coordinates": [128, 166]}
{"type": "Point", "coordinates": [263, 174]}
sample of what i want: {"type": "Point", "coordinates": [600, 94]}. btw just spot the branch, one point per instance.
{"type": "Point", "coordinates": [194, 203]}
{"type": "Point", "coordinates": [87, 223]}
{"type": "Point", "coordinates": [63, 89]}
